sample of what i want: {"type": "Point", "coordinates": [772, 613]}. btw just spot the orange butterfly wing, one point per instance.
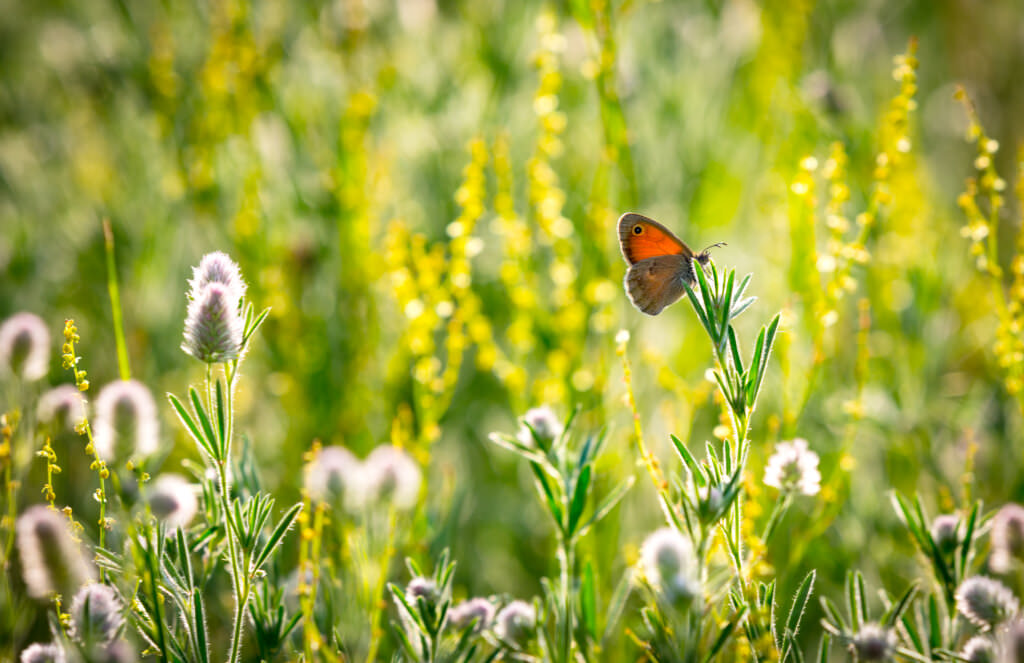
{"type": "Point", "coordinates": [641, 238]}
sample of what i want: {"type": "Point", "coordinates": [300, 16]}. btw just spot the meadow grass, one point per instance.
{"type": "Point", "coordinates": [409, 413]}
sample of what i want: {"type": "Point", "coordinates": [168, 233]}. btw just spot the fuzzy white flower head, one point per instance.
{"type": "Point", "coordinates": [793, 467]}
{"type": "Point", "coordinates": [477, 611]}
{"type": "Point", "coordinates": [670, 566]}
{"type": "Point", "coordinates": [173, 500]}
{"type": "Point", "coordinates": [1007, 538]}
{"type": "Point", "coordinates": [40, 653]}
{"type": "Point", "coordinates": [25, 346]}
{"type": "Point", "coordinates": [51, 561]}
{"type": "Point", "coordinates": [213, 327]}
{"type": "Point", "coordinates": [126, 423]}
{"type": "Point", "coordinates": [545, 425]}
{"type": "Point", "coordinates": [986, 602]}
{"type": "Point", "coordinates": [979, 649]}
{"type": "Point", "coordinates": [516, 623]}
{"type": "Point", "coordinates": [334, 476]}
{"type": "Point", "coordinates": [217, 267]}
{"type": "Point", "coordinates": [874, 643]}
{"type": "Point", "coordinates": [390, 473]}
{"type": "Point", "coordinates": [62, 407]}
{"type": "Point", "coordinates": [95, 615]}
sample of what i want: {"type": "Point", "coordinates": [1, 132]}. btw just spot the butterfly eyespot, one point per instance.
{"type": "Point", "coordinates": [638, 229]}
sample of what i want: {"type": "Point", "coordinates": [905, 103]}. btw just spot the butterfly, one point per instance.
{"type": "Point", "coordinates": [659, 262]}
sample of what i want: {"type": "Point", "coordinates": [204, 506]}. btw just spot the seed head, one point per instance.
{"type": "Point", "coordinates": [515, 624]}
{"type": "Point", "coordinates": [126, 424]}
{"type": "Point", "coordinates": [95, 615]}
{"type": "Point", "coordinates": [945, 532]}
{"type": "Point", "coordinates": [213, 326]}
{"type": "Point", "coordinates": [217, 267]}
{"type": "Point", "coordinates": [794, 467]}
{"type": "Point", "coordinates": [986, 602]}
{"type": "Point", "coordinates": [334, 477]}
{"type": "Point", "coordinates": [979, 649]}
{"type": "Point", "coordinates": [544, 423]}
{"type": "Point", "coordinates": [62, 407]}
{"type": "Point", "coordinates": [670, 566]}
{"type": "Point", "coordinates": [51, 561]}
{"type": "Point", "coordinates": [391, 474]}
{"type": "Point", "coordinates": [1007, 538]}
{"type": "Point", "coordinates": [873, 643]}
{"type": "Point", "coordinates": [173, 500]}
{"type": "Point", "coordinates": [476, 611]}
{"type": "Point", "coordinates": [25, 346]}
{"type": "Point", "coordinates": [40, 653]}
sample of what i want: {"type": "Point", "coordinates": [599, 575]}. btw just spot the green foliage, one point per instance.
{"type": "Point", "coordinates": [422, 197]}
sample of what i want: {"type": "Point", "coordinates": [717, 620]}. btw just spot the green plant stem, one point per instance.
{"type": "Point", "coordinates": [377, 594]}
{"type": "Point", "coordinates": [567, 561]}
{"type": "Point", "coordinates": [115, 303]}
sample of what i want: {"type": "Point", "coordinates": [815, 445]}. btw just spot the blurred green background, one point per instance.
{"type": "Point", "coordinates": [327, 147]}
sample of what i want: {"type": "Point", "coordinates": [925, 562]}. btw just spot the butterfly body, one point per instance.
{"type": "Point", "coordinates": [660, 264]}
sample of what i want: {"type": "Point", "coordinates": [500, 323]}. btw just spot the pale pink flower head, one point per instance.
{"type": "Point", "coordinates": [126, 424]}
{"type": "Point", "coordinates": [25, 346]}
{"type": "Point", "coordinates": [62, 407]}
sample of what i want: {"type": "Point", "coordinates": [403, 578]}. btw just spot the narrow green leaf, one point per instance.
{"type": "Point", "coordinates": [965, 547]}
{"type": "Point", "coordinates": [222, 418]}
{"type": "Point", "coordinates": [823, 646]}
{"type": "Point", "coordinates": [895, 613]}
{"type": "Point", "coordinates": [579, 500]}
{"type": "Point", "coordinates": [190, 425]}
{"type": "Point", "coordinates": [588, 600]}
{"type": "Point", "coordinates": [862, 598]}
{"type": "Point", "coordinates": [796, 612]}
{"type": "Point", "coordinates": [204, 421]}
{"type": "Point", "coordinates": [734, 346]}
{"type": "Point", "coordinates": [199, 626]}
{"type": "Point", "coordinates": [723, 319]}
{"type": "Point", "coordinates": [690, 461]}
{"type": "Point", "coordinates": [934, 623]}
{"type": "Point", "coordinates": [699, 310]}
{"type": "Point", "coordinates": [553, 507]}
{"type": "Point", "coordinates": [276, 536]}
{"type": "Point", "coordinates": [609, 503]}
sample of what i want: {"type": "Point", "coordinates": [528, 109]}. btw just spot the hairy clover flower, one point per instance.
{"type": "Point", "coordinates": [62, 407]}
{"type": "Point", "coordinates": [51, 561]}
{"type": "Point", "coordinates": [95, 615]}
{"type": "Point", "coordinates": [477, 611]}
{"type": "Point", "coordinates": [979, 649]}
{"type": "Point", "coordinates": [945, 532]}
{"type": "Point", "coordinates": [391, 474]}
{"type": "Point", "coordinates": [40, 653]}
{"type": "Point", "coordinates": [515, 624]}
{"type": "Point", "coordinates": [213, 326]}
{"type": "Point", "coordinates": [873, 643]}
{"type": "Point", "coordinates": [670, 566]}
{"type": "Point", "coordinates": [334, 476]}
{"type": "Point", "coordinates": [986, 602]}
{"type": "Point", "coordinates": [544, 423]}
{"type": "Point", "coordinates": [793, 467]}
{"type": "Point", "coordinates": [217, 267]}
{"type": "Point", "coordinates": [173, 500]}
{"type": "Point", "coordinates": [25, 346]}
{"type": "Point", "coordinates": [126, 423]}
{"type": "Point", "coordinates": [1007, 538]}
{"type": "Point", "coordinates": [421, 588]}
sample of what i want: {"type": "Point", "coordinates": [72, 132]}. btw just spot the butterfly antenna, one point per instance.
{"type": "Point", "coordinates": [714, 246]}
